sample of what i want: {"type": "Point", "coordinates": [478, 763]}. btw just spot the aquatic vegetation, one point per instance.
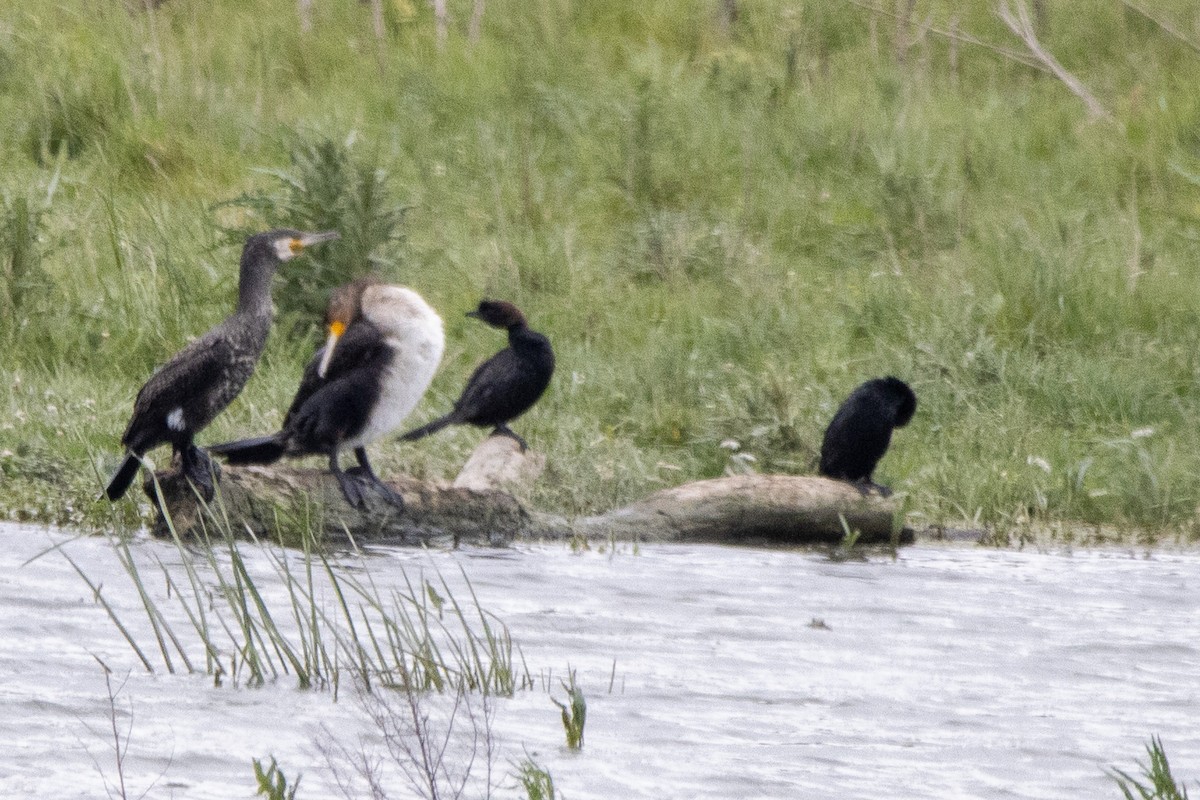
{"type": "Point", "coordinates": [1161, 784]}
{"type": "Point", "coordinates": [273, 783]}
{"type": "Point", "coordinates": [535, 780]}
{"type": "Point", "coordinates": [848, 548]}
{"type": "Point", "coordinates": [574, 711]}
{"type": "Point", "coordinates": [330, 621]}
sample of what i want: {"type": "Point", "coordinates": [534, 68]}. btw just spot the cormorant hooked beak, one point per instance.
{"type": "Point", "coordinates": [336, 329]}
{"type": "Point", "coordinates": [298, 243]}
{"type": "Point", "coordinates": [289, 244]}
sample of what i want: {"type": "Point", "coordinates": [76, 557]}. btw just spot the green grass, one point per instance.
{"type": "Point", "coordinates": [722, 233]}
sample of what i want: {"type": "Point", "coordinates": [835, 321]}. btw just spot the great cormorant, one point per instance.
{"type": "Point", "coordinates": [187, 392]}
{"type": "Point", "coordinates": [384, 345]}
{"type": "Point", "coordinates": [507, 384]}
{"type": "Point", "coordinates": [861, 431]}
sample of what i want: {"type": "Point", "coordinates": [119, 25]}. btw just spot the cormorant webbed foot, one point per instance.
{"type": "Point", "coordinates": [365, 475]}
{"type": "Point", "coordinates": [366, 478]}
{"type": "Point", "coordinates": [866, 485]}
{"type": "Point", "coordinates": [351, 489]}
{"type": "Point", "coordinates": [504, 430]}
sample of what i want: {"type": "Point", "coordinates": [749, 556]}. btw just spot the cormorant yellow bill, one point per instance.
{"type": "Point", "coordinates": [298, 243]}
{"type": "Point", "coordinates": [336, 329]}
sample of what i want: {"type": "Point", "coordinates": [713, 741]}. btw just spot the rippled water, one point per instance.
{"type": "Point", "coordinates": [949, 672]}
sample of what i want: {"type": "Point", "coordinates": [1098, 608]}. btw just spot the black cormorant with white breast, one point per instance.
{"type": "Point", "coordinates": [506, 385]}
{"type": "Point", "coordinates": [187, 392]}
{"type": "Point", "coordinates": [861, 431]}
{"type": "Point", "coordinates": [384, 345]}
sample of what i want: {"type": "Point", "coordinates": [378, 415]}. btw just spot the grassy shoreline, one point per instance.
{"type": "Point", "coordinates": [723, 229]}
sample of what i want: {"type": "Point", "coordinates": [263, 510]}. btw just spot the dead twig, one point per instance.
{"type": "Point", "coordinates": [438, 743]}
{"type": "Point", "coordinates": [1022, 27]}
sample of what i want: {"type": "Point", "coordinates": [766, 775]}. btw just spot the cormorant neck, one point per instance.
{"type": "Point", "coordinates": [254, 288]}
{"type": "Point", "coordinates": [525, 339]}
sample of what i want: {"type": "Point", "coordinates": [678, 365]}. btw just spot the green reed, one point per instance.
{"type": "Point", "coordinates": [400, 638]}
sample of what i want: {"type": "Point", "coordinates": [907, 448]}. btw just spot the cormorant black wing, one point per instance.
{"type": "Point", "coordinates": [360, 346]}
{"type": "Point", "coordinates": [336, 411]}
{"type": "Point", "coordinates": [488, 389]}
{"type": "Point", "coordinates": [183, 394]}
{"type": "Point", "coordinates": [856, 439]}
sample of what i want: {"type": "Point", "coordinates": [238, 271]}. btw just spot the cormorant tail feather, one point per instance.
{"type": "Point", "coordinates": [428, 428]}
{"type": "Point", "coordinates": [119, 483]}
{"type": "Point", "coordinates": [259, 450]}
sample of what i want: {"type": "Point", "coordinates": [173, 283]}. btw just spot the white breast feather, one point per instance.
{"type": "Point", "coordinates": [413, 330]}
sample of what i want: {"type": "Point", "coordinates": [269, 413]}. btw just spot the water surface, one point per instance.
{"type": "Point", "coordinates": [947, 672]}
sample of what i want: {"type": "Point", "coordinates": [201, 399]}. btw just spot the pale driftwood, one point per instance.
{"type": "Point", "coordinates": [479, 509]}
{"type": "Point", "coordinates": [499, 463]}
{"type": "Point", "coordinates": [745, 509]}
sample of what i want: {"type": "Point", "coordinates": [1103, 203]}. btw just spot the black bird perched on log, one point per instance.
{"type": "Point", "coordinates": [384, 345]}
{"type": "Point", "coordinates": [186, 393]}
{"type": "Point", "coordinates": [861, 431]}
{"type": "Point", "coordinates": [507, 384]}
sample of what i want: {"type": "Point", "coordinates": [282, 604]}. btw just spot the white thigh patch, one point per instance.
{"type": "Point", "coordinates": [175, 419]}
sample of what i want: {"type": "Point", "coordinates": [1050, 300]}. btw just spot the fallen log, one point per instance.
{"type": "Point", "coordinates": [752, 509]}
{"type": "Point", "coordinates": [480, 508]}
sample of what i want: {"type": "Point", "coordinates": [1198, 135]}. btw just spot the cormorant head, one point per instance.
{"type": "Point", "coordinates": [282, 244]}
{"type": "Point", "coordinates": [498, 314]}
{"type": "Point", "coordinates": [904, 398]}
{"type": "Point", "coordinates": [345, 306]}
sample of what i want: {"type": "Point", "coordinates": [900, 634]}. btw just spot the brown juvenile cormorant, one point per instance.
{"type": "Point", "coordinates": [187, 392]}
{"type": "Point", "coordinates": [507, 384]}
{"type": "Point", "coordinates": [384, 345]}
{"type": "Point", "coordinates": [861, 431]}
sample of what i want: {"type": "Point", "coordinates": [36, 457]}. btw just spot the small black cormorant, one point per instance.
{"type": "Point", "coordinates": [507, 384]}
{"type": "Point", "coordinates": [861, 431]}
{"type": "Point", "coordinates": [384, 345]}
{"type": "Point", "coordinates": [185, 394]}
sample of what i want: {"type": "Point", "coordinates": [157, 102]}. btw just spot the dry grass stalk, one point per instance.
{"type": "Point", "coordinates": [304, 7]}
{"type": "Point", "coordinates": [1021, 24]}
{"type": "Point", "coordinates": [441, 17]}
{"type": "Point", "coordinates": [475, 28]}
{"type": "Point", "coordinates": [1165, 26]}
{"type": "Point", "coordinates": [952, 33]}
